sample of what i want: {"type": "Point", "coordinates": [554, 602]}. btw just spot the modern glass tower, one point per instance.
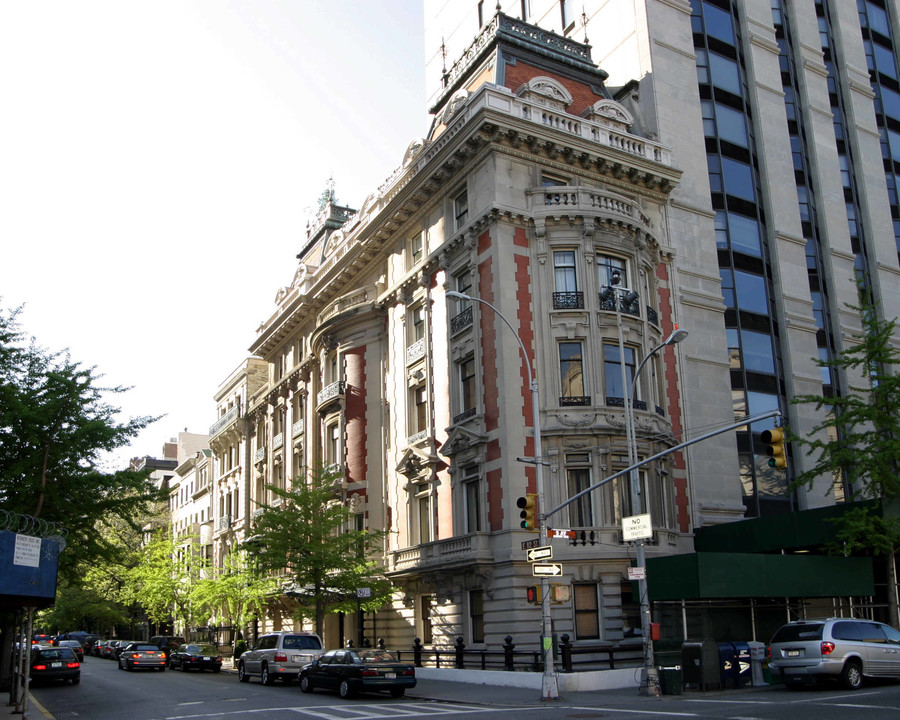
{"type": "Point", "coordinates": [785, 119]}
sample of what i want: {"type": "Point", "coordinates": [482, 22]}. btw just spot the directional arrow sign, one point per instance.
{"type": "Point", "coordinates": [540, 553]}
{"type": "Point", "coordinates": [546, 569]}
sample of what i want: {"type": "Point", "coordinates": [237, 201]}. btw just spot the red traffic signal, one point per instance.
{"type": "Point", "coordinates": [533, 594]}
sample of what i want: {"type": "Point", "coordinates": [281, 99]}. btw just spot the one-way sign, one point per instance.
{"type": "Point", "coordinates": [546, 569]}
{"type": "Point", "coordinates": [545, 552]}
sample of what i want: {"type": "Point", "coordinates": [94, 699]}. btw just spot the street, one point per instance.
{"type": "Point", "coordinates": [106, 692]}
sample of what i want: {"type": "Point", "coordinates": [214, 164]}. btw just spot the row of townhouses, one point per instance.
{"type": "Point", "coordinates": [725, 167]}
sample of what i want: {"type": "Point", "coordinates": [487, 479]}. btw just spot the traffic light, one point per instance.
{"type": "Point", "coordinates": [533, 594]}
{"type": "Point", "coordinates": [529, 512]}
{"type": "Point", "coordinates": [774, 439]}
{"type": "Point", "coordinates": [560, 593]}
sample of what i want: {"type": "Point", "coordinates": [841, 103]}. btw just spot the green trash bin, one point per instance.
{"type": "Point", "coordinates": [669, 679]}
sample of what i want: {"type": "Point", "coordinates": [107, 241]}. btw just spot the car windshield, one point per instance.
{"type": "Point", "coordinates": [798, 633]}
{"type": "Point", "coordinates": [301, 642]}
{"type": "Point", "coordinates": [201, 649]}
{"type": "Point", "coordinates": [144, 647]}
{"type": "Point", "coordinates": [374, 656]}
{"type": "Point", "coordinates": [55, 654]}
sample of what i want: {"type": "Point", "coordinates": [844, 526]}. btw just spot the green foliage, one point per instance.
{"type": "Point", "coordinates": [237, 593]}
{"type": "Point", "coordinates": [55, 426]}
{"type": "Point", "coordinates": [861, 531]}
{"type": "Point", "coordinates": [240, 647]}
{"type": "Point", "coordinates": [308, 538]}
{"type": "Point", "coordinates": [861, 428]}
{"type": "Point", "coordinates": [81, 606]}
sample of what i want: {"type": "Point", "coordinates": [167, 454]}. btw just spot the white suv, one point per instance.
{"type": "Point", "coordinates": [846, 648]}
{"type": "Point", "coordinates": [279, 655]}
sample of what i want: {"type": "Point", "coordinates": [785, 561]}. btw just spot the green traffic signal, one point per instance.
{"type": "Point", "coordinates": [776, 450]}
{"type": "Point", "coordinates": [528, 514]}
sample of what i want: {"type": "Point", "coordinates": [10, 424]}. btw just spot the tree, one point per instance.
{"type": "Point", "coordinates": [309, 539]}
{"type": "Point", "coordinates": [236, 593]}
{"type": "Point", "coordinates": [55, 426]}
{"type": "Point", "coordinates": [858, 441]}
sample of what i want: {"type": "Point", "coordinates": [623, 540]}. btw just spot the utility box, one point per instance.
{"type": "Point", "coordinates": [700, 664]}
{"type": "Point", "coordinates": [728, 665]}
{"type": "Point", "coordinates": [669, 672]}
{"type": "Point", "coordinates": [742, 663]}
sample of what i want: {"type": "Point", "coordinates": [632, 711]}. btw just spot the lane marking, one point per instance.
{"type": "Point", "coordinates": [655, 713]}
{"type": "Point", "coordinates": [373, 712]}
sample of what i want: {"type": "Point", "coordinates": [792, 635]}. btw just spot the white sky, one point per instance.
{"type": "Point", "coordinates": [159, 160]}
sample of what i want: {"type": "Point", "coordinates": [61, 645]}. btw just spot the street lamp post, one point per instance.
{"type": "Point", "coordinates": [549, 684]}
{"type": "Point", "coordinates": [649, 682]}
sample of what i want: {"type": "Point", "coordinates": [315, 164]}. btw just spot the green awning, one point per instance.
{"type": "Point", "coordinates": [728, 575]}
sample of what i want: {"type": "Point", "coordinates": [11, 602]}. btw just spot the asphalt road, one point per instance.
{"type": "Point", "coordinates": [106, 692]}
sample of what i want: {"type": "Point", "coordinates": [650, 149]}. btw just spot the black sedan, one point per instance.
{"type": "Point", "coordinates": [202, 657]}
{"type": "Point", "coordinates": [354, 670]}
{"type": "Point", "coordinates": [76, 648]}
{"type": "Point", "coordinates": [55, 663]}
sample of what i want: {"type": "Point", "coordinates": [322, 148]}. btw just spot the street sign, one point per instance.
{"type": "Point", "coordinates": [528, 544]}
{"type": "Point", "coordinates": [570, 534]}
{"type": "Point", "coordinates": [637, 573]}
{"type": "Point", "coordinates": [636, 527]}
{"type": "Point", "coordinates": [540, 553]}
{"type": "Point", "coordinates": [363, 592]}
{"type": "Point", "coordinates": [546, 569]}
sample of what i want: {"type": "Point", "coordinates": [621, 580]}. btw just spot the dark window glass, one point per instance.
{"type": "Point", "coordinates": [738, 179]}
{"type": "Point", "coordinates": [724, 73]}
{"type": "Point", "coordinates": [756, 349]}
{"type": "Point", "coordinates": [751, 292]}
{"type": "Point", "coordinates": [731, 126]}
{"type": "Point", "coordinates": [571, 369]}
{"type": "Point", "coordinates": [718, 23]}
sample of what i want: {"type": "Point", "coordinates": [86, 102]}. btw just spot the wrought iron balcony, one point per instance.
{"type": "Point", "coordinates": [652, 316]}
{"type": "Point", "coordinates": [574, 400]}
{"type": "Point", "coordinates": [568, 300]}
{"type": "Point", "coordinates": [461, 320]}
{"type": "Point", "coordinates": [464, 415]}
{"type": "Point", "coordinates": [625, 307]}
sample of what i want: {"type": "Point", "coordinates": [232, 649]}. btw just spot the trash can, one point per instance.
{"type": "Point", "coordinates": [700, 664]}
{"type": "Point", "coordinates": [670, 681]}
{"type": "Point", "coordinates": [728, 665]}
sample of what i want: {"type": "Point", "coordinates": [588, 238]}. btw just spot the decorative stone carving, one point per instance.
{"type": "Point", "coordinates": [546, 91]}
{"type": "Point", "coordinates": [609, 113]}
{"type": "Point", "coordinates": [577, 421]}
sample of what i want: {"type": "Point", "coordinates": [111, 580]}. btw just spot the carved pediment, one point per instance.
{"type": "Point", "coordinates": [546, 91]}
{"type": "Point", "coordinates": [416, 463]}
{"type": "Point", "coordinates": [610, 113]}
{"type": "Point", "coordinates": [460, 439]}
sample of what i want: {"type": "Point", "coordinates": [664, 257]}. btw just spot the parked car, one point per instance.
{"type": "Point", "coordinates": [119, 646]}
{"type": "Point", "coordinates": [54, 663]}
{"type": "Point", "coordinates": [41, 639]}
{"type": "Point", "coordinates": [847, 649]}
{"type": "Point", "coordinates": [279, 655]}
{"type": "Point", "coordinates": [76, 648]}
{"type": "Point", "coordinates": [97, 648]}
{"type": "Point", "coordinates": [192, 655]}
{"type": "Point", "coordinates": [169, 643]}
{"type": "Point", "coordinates": [142, 655]}
{"type": "Point", "coordinates": [354, 670]}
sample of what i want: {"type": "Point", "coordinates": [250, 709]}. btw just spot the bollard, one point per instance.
{"type": "Point", "coordinates": [460, 660]}
{"type": "Point", "coordinates": [566, 648]}
{"type": "Point", "coordinates": [417, 652]}
{"type": "Point", "coordinates": [508, 652]}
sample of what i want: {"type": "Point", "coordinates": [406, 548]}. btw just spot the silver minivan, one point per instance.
{"type": "Point", "coordinates": [279, 655]}
{"type": "Point", "coordinates": [847, 649]}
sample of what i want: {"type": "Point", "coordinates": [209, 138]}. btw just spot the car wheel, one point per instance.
{"type": "Point", "coordinates": [242, 673]}
{"type": "Point", "coordinates": [75, 681]}
{"type": "Point", "coordinates": [397, 692]}
{"type": "Point", "coordinates": [265, 677]}
{"type": "Point", "coordinates": [184, 667]}
{"type": "Point", "coordinates": [162, 668]}
{"type": "Point", "coordinates": [216, 669]}
{"type": "Point", "coordinates": [346, 689]}
{"type": "Point", "coordinates": [851, 675]}
{"type": "Point", "coordinates": [129, 666]}
{"type": "Point", "coordinates": [305, 684]}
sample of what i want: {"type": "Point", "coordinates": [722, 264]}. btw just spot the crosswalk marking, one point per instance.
{"type": "Point", "coordinates": [379, 711]}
